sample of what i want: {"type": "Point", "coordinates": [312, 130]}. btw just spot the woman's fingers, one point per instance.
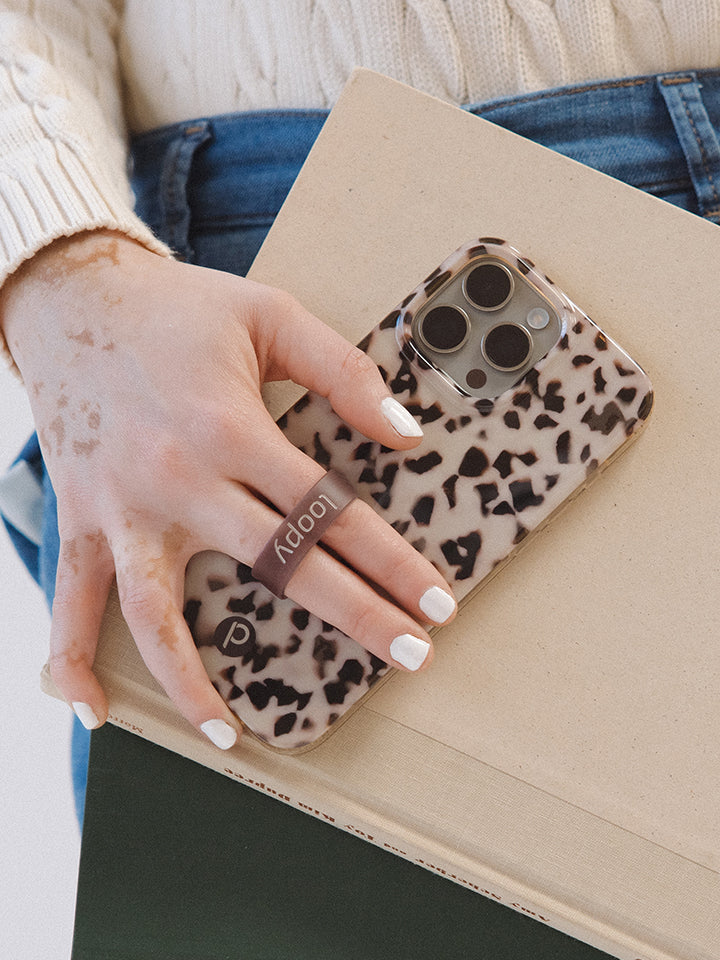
{"type": "Point", "coordinates": [150, 575]}
{"type": "Point", "coordinates": [84, 575]}
{"type": "Point", "coordinates": [301, 347]}
{"type": "Point", "coordinates": [337, 594]}
{"type": "Point", "coordinates": [375, 550]}
{"type": "Point", "coordinates": [165, 444]}
{"type": "Point", "coordinates": [150, 589]}
{"type": "Point", "coordinates": [284, 475]}
{"type": "Point", "coordinates": [304, 349]}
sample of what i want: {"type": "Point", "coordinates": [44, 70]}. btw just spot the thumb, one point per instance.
{"type": "Point", "coordinates": [312, 354]}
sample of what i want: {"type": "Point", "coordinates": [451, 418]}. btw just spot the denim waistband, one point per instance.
{"type": "Point", "coordinates": [658, 133]}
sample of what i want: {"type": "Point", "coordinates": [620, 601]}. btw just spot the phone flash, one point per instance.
{"type": "Point", "coordinates": [538, 318]}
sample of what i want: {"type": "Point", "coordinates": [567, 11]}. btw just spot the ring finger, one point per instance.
{"type": "Point", "coordinates": [328, 589]}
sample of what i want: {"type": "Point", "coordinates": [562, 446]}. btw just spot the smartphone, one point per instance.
{"type": "Point", "coordinates": [522, 400]}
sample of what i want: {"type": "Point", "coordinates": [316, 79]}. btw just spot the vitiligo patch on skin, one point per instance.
{"type": "Point", "coordinates": [68, 260]}
{"type": "Point", "coordinates": [83, 448]}
{"type": "Point", "coordinates": [85, 337]}
{"type": "Point", "coordinates": [57, 428]}
{"type": "Point", "coordinates": [54, 438]}
{"type": "Point", "coordinates": [174, 539]}
{"type": "Point", "coordinates": [151, 559]}
{"type": "Point", "coordinates": [73, 553]}
{"type": "Point", "coordinates": [167, 634]}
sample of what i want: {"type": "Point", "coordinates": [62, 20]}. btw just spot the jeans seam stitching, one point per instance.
{"type": "Point", "coordinates": [674, 81]}
{"type": "Point", "coordinates": [564, 92]}
{"type": "Point", "coordinates": [701, 148]}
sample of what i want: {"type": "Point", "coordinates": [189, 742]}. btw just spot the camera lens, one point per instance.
{"type": "Point", "coordinates": [444, 329]}
{"type": "Point", "coordinates": [489, 286]}
{"type": "Point", "coordinates": [507, 346]}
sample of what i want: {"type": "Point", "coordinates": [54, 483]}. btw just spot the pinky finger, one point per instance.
{"type": "Point", "coordinates": [81, 591]}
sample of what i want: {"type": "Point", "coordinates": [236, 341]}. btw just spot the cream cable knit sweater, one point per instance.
{"type": "Point", "coordinates": [74, 73]}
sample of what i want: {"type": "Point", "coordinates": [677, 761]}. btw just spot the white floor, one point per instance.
{"type": "Point", "coordinates": [39, 836]}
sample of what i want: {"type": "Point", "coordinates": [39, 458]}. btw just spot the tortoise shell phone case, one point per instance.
{"type": "Point", "coordinates": [521, 397]}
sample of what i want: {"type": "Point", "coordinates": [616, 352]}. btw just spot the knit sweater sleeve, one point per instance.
{"type": "Point", "coordinates": [63, 166]}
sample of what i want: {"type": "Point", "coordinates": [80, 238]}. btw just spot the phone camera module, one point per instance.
{"type": "Point", "coordinates": [489, 286]}
{"type": "Point", "coordinates": [444, 329]}
{"type": "Point", "coordinates": [507, 346]}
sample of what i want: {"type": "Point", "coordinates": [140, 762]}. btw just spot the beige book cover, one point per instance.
{"type": "Point", "coordinates": [561, 756]}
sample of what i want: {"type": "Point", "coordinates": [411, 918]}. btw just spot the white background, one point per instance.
{"type": "Point", "coordinates": [39, 835]}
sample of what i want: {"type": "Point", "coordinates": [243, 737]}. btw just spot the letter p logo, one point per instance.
{"type": "Point", "coordinates": [234, 636]}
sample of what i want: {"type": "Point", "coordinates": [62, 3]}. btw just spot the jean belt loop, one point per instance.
{"type": "Point", "coordinates": [174, 177]}
{"type": "Point", "coordinates": [682, 93]}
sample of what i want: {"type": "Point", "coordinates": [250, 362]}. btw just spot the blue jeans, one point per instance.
{"type": "Point", "coordinates": [212, 187]}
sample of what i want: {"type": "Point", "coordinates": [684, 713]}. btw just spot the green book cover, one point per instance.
{"type": "Point", "coordinates": [179, 862]}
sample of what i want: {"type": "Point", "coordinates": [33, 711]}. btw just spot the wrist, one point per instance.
{"type": "Point", "coordinates": [46, 284]}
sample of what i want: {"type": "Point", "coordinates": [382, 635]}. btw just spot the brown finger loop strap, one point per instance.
{"type": "Point", "coordinates": [301, 530]}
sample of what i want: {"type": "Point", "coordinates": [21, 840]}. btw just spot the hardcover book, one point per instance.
{"type": "Point", "coordinates": [560, 755]}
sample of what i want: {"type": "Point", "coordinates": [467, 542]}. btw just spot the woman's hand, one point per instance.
{"type": "Point", "coordinates": [144, 378]}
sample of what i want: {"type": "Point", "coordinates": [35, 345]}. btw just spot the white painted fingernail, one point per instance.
{"type": "Point", "coordinates": [221, 733]}
{"type": "Point", "coordinates": [437, 604]}
{"type": "Point", "coordinates": [409, 651]}
{"type": "Point", "coordinates": [85, 714]}
{"type": "Point", "coordinates": [400, 419]}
